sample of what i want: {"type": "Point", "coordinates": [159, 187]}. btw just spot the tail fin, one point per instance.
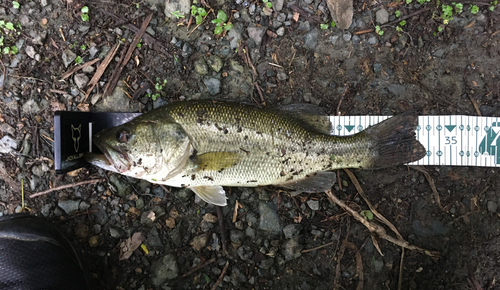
{"type": "Point", "coordinates": [395, 141]}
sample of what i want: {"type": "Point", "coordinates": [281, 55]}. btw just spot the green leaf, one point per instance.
{"type": "Point", "coordinates": [332, 24]}
{"type": "Point", "coordinates": [9, 26]}
{"type": "Point", "coordinates": [85, 17]}
{"type": "Point", "coordinates": [323, 26]}
{"type": "Point", "coordinates": [269, 5]}
{"type": "Point", "coordinates": [402, 23]}
{"type": "Point", "coordinates": [199, 19]}
{"type": "Point", "coordinates": [83, 47]}
{"type": "Point", "coordinates": [1, 40]}
{"type": "Point", "coordinates": [139, 45]}
{"type": "Point", "coordinates": [222, 16]}
{"type": "Point", "coordinates": [193, 10]}
{"type": "Point", "coordinates": [397, 13]}
{"type": "Point", "coordinates": [202, 11]}
{"type": "Point", "coordinates": [15, 4]}
{"type": "Point", "coordinates": [408, 1]}
{"type": "Point", "coordinates": [367, 214]}
{"type": "Point", "coordinates": [6, 50]}
{"type": "Point", "coordinates": [217, 21]}
{"type": "Point", "coordinates": [78, 60]}
{"type": "Point", "coordinates": [491, 8]}
{"type": "Point", "coordinates": [440, 28]}
{"type": "Point", "coordinates": [228, 26]}
{"type": "Point", "coordinates": [85, 9]}
{"type": "Point", "coordinates": [474, 9]}
{"type": "Point", "coordinates": [218, 30]}
{"type": "Point", "coordinates": [14, 49]}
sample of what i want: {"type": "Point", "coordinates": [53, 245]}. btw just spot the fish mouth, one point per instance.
{"type": "Point", "coordinates": [112, 158]}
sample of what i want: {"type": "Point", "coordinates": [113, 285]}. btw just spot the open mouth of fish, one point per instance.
{"type": "Point", "coordinates": [112, 159]}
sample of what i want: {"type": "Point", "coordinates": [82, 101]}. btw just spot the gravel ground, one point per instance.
{"type": "Point", "coordinates": [277, 56]}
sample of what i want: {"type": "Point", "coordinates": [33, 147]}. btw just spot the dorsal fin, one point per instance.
{"type": "Point", "coordinates": [311, 116]}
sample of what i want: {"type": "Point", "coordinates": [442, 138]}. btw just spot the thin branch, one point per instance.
{"type": "Point", "coordinates": [92, 181]}
{"type": "Point", "coordinates": [221, 276]}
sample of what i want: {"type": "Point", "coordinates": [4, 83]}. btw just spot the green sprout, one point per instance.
{"type": "Point", "coordinates": [268, 4]}
{"type": "Point", "coordinates": [14, 49]}
{"type": "Point", "coordinates": [378, 30]}
{"type": "Point", "coordinates": [402, 23]}
{"type": "Point", "coordinates": [158, 90]}
{"type": "Point", "coordinates": [324, 26]}
{"type": "Point", "coordinates": [399, 29]}
{"type": "Point", "coordinates": [78, 60]}
{"type": "Point", "coordinates": [493, 4]}
{"type": "Point", "coordinates": [198, 13]}
{"type": "Point", "coordinates": [85, 15]}
{"type": "Point", "coordinates": [15, 4]}
{"type": "Point", "coordinates": [408, 1]}
{"type": "Point", "coordinates": [83, 47]}
{"type": "Point", "coordinates": [474, 9]}
{"type": "Point", "coordinates": [332, 24]}
{"type": "Point", "coordinates": [220, 23]}
{"type": "Point", "coordinates": [397, 13]}
{"type": "Point", "coordinates": [178, 14]}
{"type": "Point", "coordinates": [139, 44]}
{"type": "Point", "coordinates": [367, 214]}
{"type": "Point", "coordinates": [447, 13]}
{"type": "Point", "coordinates": [423, 1]}
{"type": "Point", "coordinates": [458, 7]}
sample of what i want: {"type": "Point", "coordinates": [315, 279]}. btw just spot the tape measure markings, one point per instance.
{"type": "Point", "coordinates": [456, 140]}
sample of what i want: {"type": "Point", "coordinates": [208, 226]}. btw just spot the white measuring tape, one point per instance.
{"type": "Point", "coordinates": [449, 140]}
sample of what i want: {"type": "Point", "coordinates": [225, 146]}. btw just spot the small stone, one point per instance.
{"type": "Point", "coordinates": [347, 36]}
{"type": "Point", "coordinates": [378, 265]}
{"type": "Point", "coordinates": [269, 221]}
{"type": "Point", "coordinates": [88, 69]}
{"type": "Point", "coordinates": [215, 63]}
{"type": "Point", "coordinates": [69, 206]}
{"type": "Point", "coordinates": [236, 236]}
{"type": "Point", "coordinates": [164, 269]}
{"type": "Point", "coordinates": [199, 242]}
{"type": "Point", "coordinates": [46, 209]}
{"type": "Point", "coordinates": [438, 53]}
{"type": "Point", "coordinates": [291, 249]}
{"type": "Point", "coordinates": [244, 252]}
{"type": "Point", "coordinates": [184, 194]}
{"type": "Point", "coordinates": [266, 264]}
{"type": "Point", "coordinates": [311, 39]}
{"type": "Point", "coordinates": [8, 144]}
{"type": "Point", "coordinates": [492, 206]}
{"type": "Point", "coordinates": [30, 51]}
{"type": "Point", "coordinates": [213, 85]}
{"type": "Point", "coordinates": [313, 204]}
{"type": "Point", "coordinates": [116, 233]}
{"type": "Point", "coordinates": [377, 67]}
{"type": "Point", "coordinates": [200, 66]}
{"type": "Point", "coordinates": [31, 107]}
{"type": "Point", "coordinates": [281, 76]}
{"type": "Point", "coordinates": [37, 170]}
{"type": "Point", "coordinates": [187, 50]}
{"type": "Point", "coordinates": [94, 241]}
{"type": "Point", "coordinates": [372, 40]}
{"type": "Point", "coordinates": [256, 34]}
{"type": "Point", "coordinates": [280, 31]}
{"type": "Point", "coordinates": [82, 230]}
{"type": "Point", "coordinates": [81, 80]}
{"type": "Point", "coordinates": [382, 16]}
{"type": "Point", "coordinates": [292, 230]}
{"type": "Point", "coordinates": [68, 56]}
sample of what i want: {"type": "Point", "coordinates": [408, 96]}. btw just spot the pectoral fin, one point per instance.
{"type": "Point", "coordinates": [318, 182]}
{"type": "Point", "coordinates": [216, 161]}
{"type": "Point", "coordinates": [213, 194]}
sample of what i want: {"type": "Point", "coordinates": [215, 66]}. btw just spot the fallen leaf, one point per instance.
{"type": "Point", "coordinates": [170, 222]}
{"type": "Point", "coordinates": [130, 245]}
{"type": "Point", "coordinates": [210, 218]}
{"type": "Point", "coordinates": [474, 83]}
{"type": "Point", "coordinates": [83, 107]}
{"type": "Point", "coordinates": [173, 213]}
{"type": "Point", "coordinates": [296, 16]}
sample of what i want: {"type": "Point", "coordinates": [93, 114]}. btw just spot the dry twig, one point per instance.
{"type": "Point", "coordinates": [100, 70]}
{"type": "Point", "coordinates": [78, 67]}
{"type": "Point", "coordinates": [380, 231]}
{"type": "Point", "coordinates": [223, 238]}
{"type": "Point", "coordinates": [221, 276]}
{"type": "Point", "coordinates": [431, 183]}
{"type": "Point", "coordinates": [200, 265]}
{"type": "Point", "coordinates": [92, 181]}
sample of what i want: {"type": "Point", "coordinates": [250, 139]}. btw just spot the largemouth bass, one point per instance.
{"type": "Point", "coordinates": [204, 145]}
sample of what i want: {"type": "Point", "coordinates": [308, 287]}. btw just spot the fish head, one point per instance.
{"type": "Point", "coordinates": [143, 148]}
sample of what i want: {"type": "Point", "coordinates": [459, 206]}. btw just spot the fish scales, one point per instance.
{"type": "Point", "coordinates": [204, 145]}
{"type": "Point", "coordinates": [273, 147]}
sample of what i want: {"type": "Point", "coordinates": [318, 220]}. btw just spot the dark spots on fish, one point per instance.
{"type": "Point", "coordinates": [161, 150]}
{"type": "Point", "coordinates": [123, 136]}
{"type": "Point", "coordinates": [246, 137]}
{"type": "Point", "coordinates": [184, 176]}
{"type": "Point", "coordinates": [222, 169]}
{"type": "Point", "coordinates": [209, 178]}
{"type": "Point", "coordinates": [193, 177]}
{"type": "Point", "coordinates": [134, 164]}
{"type": "Point", "coordinates": [250, 181]}
{"type": "Point", "coordinates": [286, 161]}
{"type": "Point", "coordinates": [295, 173]}
{"type": "Point", "coordinates": [267, 153]}
{"type": "Point", "coordinates": [258, 132]}
{"type": "Point", "coordinates": [225, 131]}
{"type": "Point", "coordinates": [246, 151]}
{"type": "Point", "coordinates": [307, 175]}
{"type": "Point", "coordinates": [283, 152]}
{"type": "Point", "coordinates": [180, 114]}
{"type": "Point", "coordinates": [139, 162]}
{"type": "Point", "coordinates": [184, 185]}
{"type": "Point", "coordinates": [289, 178]}
{"type": "Point", "coordinates": [218, 127]}
{"type": "Point", "coordinates": [239, 130]}
{"type": "Point", "coordinates": [282, 173]}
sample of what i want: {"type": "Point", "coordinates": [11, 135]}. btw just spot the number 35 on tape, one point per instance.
{"type": "Point", "coordinates": [449, 140]}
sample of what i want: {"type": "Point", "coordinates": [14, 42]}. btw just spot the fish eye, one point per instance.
{"type": "Point", "coordinates": [123, 136]}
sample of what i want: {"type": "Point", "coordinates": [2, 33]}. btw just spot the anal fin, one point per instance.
{"type": "Point", "coordinates": [213, 194]}
{"type": "Point", "coordinates": [316, 182]}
